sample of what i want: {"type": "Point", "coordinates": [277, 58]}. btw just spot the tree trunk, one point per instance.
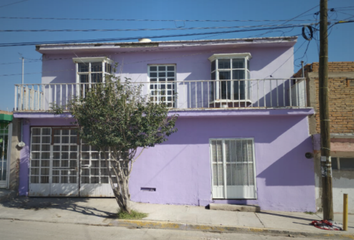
{"type": "Point", "coordinates": [121, 193]}
{"type": "Point", "coordinates": [119, 183]}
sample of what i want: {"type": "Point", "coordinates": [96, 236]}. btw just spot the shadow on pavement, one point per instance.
{"type": "Point", "coordinates": [289, 216]}
{"type": "Point", "coordinates": [69, 204]}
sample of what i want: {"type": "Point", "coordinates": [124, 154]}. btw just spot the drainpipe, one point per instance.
{"type": "Point", "coordinates": [302, 67]}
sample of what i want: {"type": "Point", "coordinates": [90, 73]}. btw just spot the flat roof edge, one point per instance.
{"type": "Point", "coordinates": [102, 45]}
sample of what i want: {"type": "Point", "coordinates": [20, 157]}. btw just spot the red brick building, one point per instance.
{"type": "Point", "coordinates": [341, 109]}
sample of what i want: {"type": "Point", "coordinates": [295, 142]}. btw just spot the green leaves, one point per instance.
{"type": "Point", "coordinates": [114, 114]}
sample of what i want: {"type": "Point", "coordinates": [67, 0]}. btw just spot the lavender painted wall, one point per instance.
{"type": "Point", "coordinates": [191, 64]}
{"type": "Point", "coordinates": [180, 168]}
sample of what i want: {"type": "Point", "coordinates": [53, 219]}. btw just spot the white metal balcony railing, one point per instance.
{"type": "Point", "coordinates": [191, 94]}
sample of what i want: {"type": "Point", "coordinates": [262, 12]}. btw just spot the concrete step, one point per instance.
{"type": "Point", "coordinates": [232, 207]}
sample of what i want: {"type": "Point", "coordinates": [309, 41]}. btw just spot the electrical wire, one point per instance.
{"type": "Point", "coordinates": [151, 37]}
{"type": "Point", "coordinates": [286, 21]}
{"type": "Point", "coordinates": [140, 20]}
{"type": "Point", "coordinates": [305, 52]}
{"type": "Point", "coordinates": [186, 55]}
{"type": "Point", "coordinates": [31, 61]}
{"type": "Point", "coordinates": [301, 14]}
{"type": "Point", "coordinates": [287, 59]}
{"type": "Point", "coordinates": [144, 29]}
{"type": "Point", "coordinates": [12, 3]}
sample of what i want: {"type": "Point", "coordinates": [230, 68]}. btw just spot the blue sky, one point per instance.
{"type": "Point", "coordinates": [129, 15]}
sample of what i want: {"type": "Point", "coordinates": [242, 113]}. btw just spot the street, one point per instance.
{"type": "Point", "coordinates": [32, 230]}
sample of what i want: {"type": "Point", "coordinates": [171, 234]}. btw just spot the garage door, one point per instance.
{"type": "Point", "coordinates": [62, 165]}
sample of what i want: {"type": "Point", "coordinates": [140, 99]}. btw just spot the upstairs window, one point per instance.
{"type": "Point", "coordinates": [91, 70]}
{"type": "Point", "coordinates": [230, 72]}
{"type": "Point", "coordinates": [162, 84]}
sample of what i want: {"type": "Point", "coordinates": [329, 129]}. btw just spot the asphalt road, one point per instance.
{"type": "Point", "coordinates": [31, 230]}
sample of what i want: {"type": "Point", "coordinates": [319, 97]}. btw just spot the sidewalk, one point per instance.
{"type": "Point", "coordinates": [99, 211]}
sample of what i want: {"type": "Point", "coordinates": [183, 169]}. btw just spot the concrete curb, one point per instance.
{"type": "Point", "coordinates": [200, 227]}
{"type": "Point", "coordinates": [226, 229]}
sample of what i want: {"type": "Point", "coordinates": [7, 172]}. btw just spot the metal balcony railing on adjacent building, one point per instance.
{"type": "Point", "coordinates": [178, 95]}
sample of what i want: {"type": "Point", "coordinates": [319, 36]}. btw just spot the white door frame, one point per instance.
{"type": "Point", "coordinates": [221, 192]}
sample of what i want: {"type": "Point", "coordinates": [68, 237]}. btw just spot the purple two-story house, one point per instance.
{"type": "Point", "coordinates": [242, 127]}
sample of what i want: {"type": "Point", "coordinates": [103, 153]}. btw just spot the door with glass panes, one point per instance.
{"type": "Point", "coordinates": [233, 169]}
{"type": "Point", "coordinates": [94, 179]}
{"type": "Point", "coordinates": [61, 166]}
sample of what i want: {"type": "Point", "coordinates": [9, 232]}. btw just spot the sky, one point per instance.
{"type": "Point", "coordinates": [20, 21]}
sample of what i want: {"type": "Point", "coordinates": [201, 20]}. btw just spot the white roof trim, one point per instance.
{"type": "Point", "coordinates": [91, 59]}
{"type": "Point", "coordinates": [230, 55]}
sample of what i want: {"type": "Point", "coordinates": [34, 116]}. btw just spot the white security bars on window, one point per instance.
{"type": "Point", "coordinates": [162, 84]}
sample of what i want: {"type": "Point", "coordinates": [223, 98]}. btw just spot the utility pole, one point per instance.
{"type": "Point", "coordinates": [326, 166]}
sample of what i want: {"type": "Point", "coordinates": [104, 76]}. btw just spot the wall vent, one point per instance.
{"type": "Point", "coordinates": [148, 189]}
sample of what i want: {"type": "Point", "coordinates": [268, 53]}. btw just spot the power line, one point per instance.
{"type": "Point", "coordinates": [135, 37]}
{"type": "Point", "coordinates": [287, 59]}
{"type": "Point", "coordinates": [142, 20]}
{"type": "Point", "coordinates": [144, 29]}
{"type": "Point", "coordinates": [110, 56]}
{"type": "Point", "coordinates": [345, 8]}
{"type": "Point", "coordinates": [100, 55]}
{"type": "Point", "coordinates": [31, 61]}
{"type": "Point", "coordinates": [286, 21]}
{"type": "Point", "coordinates": [12, 3]}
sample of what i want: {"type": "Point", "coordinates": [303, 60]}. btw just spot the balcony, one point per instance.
{"type": "Point", "coordinates": [178, 95]}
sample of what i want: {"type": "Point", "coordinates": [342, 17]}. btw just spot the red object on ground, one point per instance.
{"type": "Point", "coordinates": [327, 225]}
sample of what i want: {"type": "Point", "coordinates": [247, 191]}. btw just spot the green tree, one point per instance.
{"type": "Point", "coordinates": [117, 119]}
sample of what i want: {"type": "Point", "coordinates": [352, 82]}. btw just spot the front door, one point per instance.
{"type": "Point", "coordinates": [65, 167]}
{"type": "Point", "coordinates": [94, 179]}
{"type": "Point", "coordinates": [233, 169]}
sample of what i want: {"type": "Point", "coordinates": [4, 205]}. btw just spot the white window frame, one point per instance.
{"type": "Point", "coordinates": [217, 94]}
{"type": "Point", "coordinates": [222, 192]}
{"type": "Point", "coordinates": [156, 93]}
{"type": "Point", "coordinates": [90, 60]}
